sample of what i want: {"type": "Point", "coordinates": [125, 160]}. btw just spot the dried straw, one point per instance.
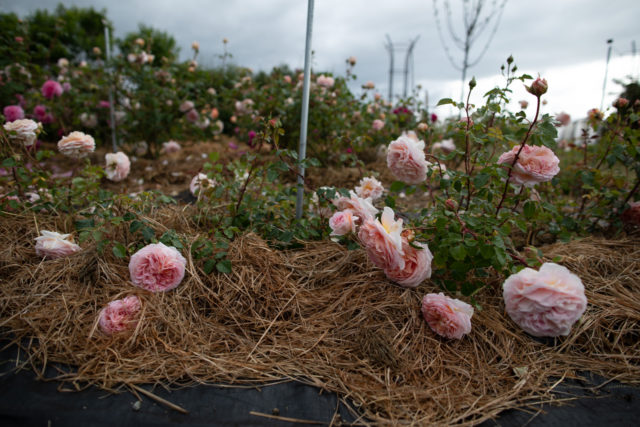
{"type": "Point", "coordinates": [321, 315]}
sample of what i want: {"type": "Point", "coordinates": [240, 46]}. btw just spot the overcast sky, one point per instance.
{"type": "Point", "coordinates": [563, 40]}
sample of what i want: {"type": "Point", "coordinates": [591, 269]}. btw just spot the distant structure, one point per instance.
{"type": "Point", "coordinates": [408, 64]}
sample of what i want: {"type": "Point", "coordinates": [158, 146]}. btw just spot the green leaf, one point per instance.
{"type": "Point", "coordinates": [209, 265]}
{"type": "Point", "coordinates": [135, 226]}
{"type": "Point", "coordinates": [481, 179]}
{"type": "Point", "coordinates": [9, 162]}
{"type": "Point", "coordinates": [458, 252]}
{"type": "Point", "coordinates": [224, 266]}
{"type": "Point", "coordinates": [83, 224]}
{"type": "Point", "coordinates": [397, 186]}
{"type": "Point", "coordinates": [529, 209]}
{"type": "Point", "coordinates": [119, 250]}
{"type": "Point", "coordinates": [445, 101]}
{"type": "Point", "coordinates": [129, 216]}
{"type": "Point", "coordinates": [148, 234]}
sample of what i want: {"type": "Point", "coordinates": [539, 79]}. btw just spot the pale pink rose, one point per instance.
{"type": "Point", "coordinates": [170, 147]}
{"type": "Point", "coordinates": [360, 207]}
{"type": "Point", "coordinates": [422, 127]}
{"type": "Point", "coordinates": [23, 131]}
{"type": "Point", "coordinates": [535, 164]}
{"type": "Point", "coordinates": [287, 79]}
{"type": "Point", "coordinates": [343, 222]}
{"type": "Point", "coordinates": [199, 182]}
{"type": "Point", "coordinates": [563, 119]}
{"type": "Point", "coordinates": [88, 120]}
{"type": "Point", "coordinates": [369, 85]}
{"type": "Point", "coordinates": [448, 317]}
{"type": "Point", "coordinates": [417, 265]}
{"type": "Point", "coordinates": [446, 145]}
{"type": "Point", "coordinates": [119, 315]}
{"type": "Point", "coordinates": [76, 145]}
{"type": "Point", "coordinates": [325, 81]}
{"type": "Point", "coordinates": [192, 116]}
{"type": "Point", "coordinates": [545, 303]}
{"type": "Point", "coordinates": [406, 159]}
{"type": "Point", "coordinates": [51, 89]}
{"type": "Point", "coordinates": [382, 239]}
{"type": "Point", "coordinates": [13, 113]}
{"type": "Point", "coordinates": [55, 245]}
{"type": "Point", "coordinates": [214, 113]}
{"type": "Point", "coordinates": [157, 268]}
{"type": "Point", "coordinates": [377, 124]}
{"type": "Point", "coordinates": [244, 107]}
{"type": "Point", "coordinates": [117, 167]}
{"type": "Point", "coordinates": [186, 106]}
{"type": "Point", "coordinates": [195, 46]}
{"type": "Point", "coordinates": [370, 188]}
{"type": "Point", "coordinates": [524, 104]}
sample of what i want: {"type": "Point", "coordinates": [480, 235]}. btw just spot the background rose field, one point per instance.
{"type": "Point", "coordinates": [148, 211]}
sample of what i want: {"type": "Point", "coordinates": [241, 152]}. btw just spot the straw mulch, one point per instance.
{"type": "Point", "coordinates": [322, 316]}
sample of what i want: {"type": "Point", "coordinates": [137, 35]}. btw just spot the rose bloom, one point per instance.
{"type": "Point", "coordinates": [352, 60]}
{"type": "Point", "coordinates": [369, 85]}
{"type": "Point", "coordinates": [119, 315]}
{"type": "Point", "coordinates": [117, 167]}
{"type": "Point", "coordinates": [157, 268]}
{"type": "Point", "coordinates": [632, 214]}
{"type": "Point", "coordinates": [417, 265]}
{"type": "Point", "coordinates": [13, 113]}
{"type": "Point", "coordinates": [170, 147]}
{"type": "Point", "coordinates": [377, 124]}
{"type": "Point", "coordinates": [89, 120]}
{"type": "Point", "coordinates": [446, 145]}
{"type": "Point", "coordinates": [195, 46]}
{"type": "Point", "coordinates": [422, 127]}
{"type": "Point", "coordinates": [406, 160]}
{"type": "Point", "coordinates": [448, 317]}
{"type": "Point", "coordinates": [361, 207]}
{"type": "Point", "coordinates": [186, 106]}
{"type": "Point", "coordinates": [287, 79]}
{"type": "Point", "coordinates": [55, 245]}
{"type": "Point", "coordinates": [192, 116]}
{"type": "Point", "coordinates": [545, 303]}
{"type": "Point", "coordinates": [325, 81]}
{"type": "Point", "coordinates": [214, 113]}
{"type": "Point", "coordinates": [76, 145]}
{"type": "Point", "coordinates": [563, 119]}
{"type": "Point", "coordinates": [51, 88]}
{"type": "Point", "coordinates": [382, 239]}
{"type": "Point", "coordinates": [23, 131]}
{"type": "Point", "coordinates": [200, 181]}
{"type": "Point", "coordinates": [535, 164]}
{"type": "Point", "coordinates": [370, 187]}
{"type": "Point", "coordinates": [343, 222]}
{"type": "Point", "coordinates": [524, 104]}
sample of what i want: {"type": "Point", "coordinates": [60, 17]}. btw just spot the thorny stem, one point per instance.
{"type": "Point", "coordinates": [633, 190]}
{"type": "Point", "coordinates": [246, 183]}
{"type": "Point", "coordinates": [515, 159]}
{"type": "Point", "coordinates": [615, 134]}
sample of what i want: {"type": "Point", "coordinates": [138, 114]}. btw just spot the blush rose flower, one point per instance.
{"type": "Point", "coordinates": [118, 165]}
{"type": "Point", "coordinates": [544, 303]}
{"type": "Point", "coordinates": [446, 145]}
{"type": "Point", "coordinates": [535, 164]}
{"type": "Point", "coordinates": [23, 131]}
{"type": "Point", "coordinates": [186, 106]}
{"type": "Point", "coordinates": [382, 239]}
{"type": "Point", "coordinates": [170, 147]}
{"type": "Point", "coordinates": [88, 120]}
{"type": "Point", "coordinates": [370, 188]}
{"type": "Point", "coordinates": [157, 268]}
{"type": "Point", "coordinates": [119, 315]}
{"type": "Point", "coordinates": [406, 159]}
{"type": "Point", "coordinates": [13, 113]}
{"type": "Point", "coordinates": [417, 265]}
{"type": "Point", "coordinates": [200, 182]}
{"type": "Point", "coordinates": [377, 124]}
{"type": "Point", "coordinates": [325, 81]}
{"type": "Point", "coordinates": [343, 222]}
{"type": "Point", "coordinates": [51, 89]}
{"type": "Point", "coordinates": [361, 207]}
{"type": "Point", "coordinates": [76, 145]}
{"type": "Point", "coordinates": [51, 244]}
{"type": "Point", "coordinates": [448, 317]}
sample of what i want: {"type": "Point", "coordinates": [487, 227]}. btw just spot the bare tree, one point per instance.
{"type": "Point", "coordinates": [474, 26]}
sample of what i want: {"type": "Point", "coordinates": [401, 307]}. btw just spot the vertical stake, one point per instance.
{"type": "Point", "coordinates": [302, 149]}
{"type": "Point", "coordinates": [112, 113]}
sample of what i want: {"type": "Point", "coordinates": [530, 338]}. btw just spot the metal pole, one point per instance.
{"type": "Point", "coordinates": [302, 149]}
{"type": "Point", "coordinates": [390, 49]}
{"type": "Point", "coordinates": [606, 71]}
{"type": "Point", "coordinates": [112, 113]}
{"type": "Point", "coordinates": [408, 57]}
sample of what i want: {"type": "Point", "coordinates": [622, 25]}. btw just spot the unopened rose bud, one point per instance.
{"type": "Point", "coordinates": [96, 50]}
{"type": "Point", "coordinates": [510, 60]}
{"type": "Point", "coordinates": [195, 46]}
{"type": "Point", "coordinates": [422, 127]}
{"type": "Point", "coordinates": [352, 60]}
{"type": "Point", "coordinates": [472, 83]}
{"type": "Point", "coordinates": [225, 40]}
{"type": "Point", "coordinates": [451, 204]}
{"type": "Point", "coordinates": [538, 87]}
{"type": "Point", "coordinates": [139, 42]}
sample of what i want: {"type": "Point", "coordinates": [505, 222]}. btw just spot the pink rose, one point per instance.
{"type": "Point", "coordinates": [377, 124]}
{"type": "Point", "coordinates": [360, 207]}
{"type": "Point", "coordinates": [563, 119]}
{"type": "Point", "coordinates": [370, 188]}
{"type": "Point", "coordinates": [23, 131]}
{"type": "Point", "coordinates": [186, 106]}
{"type": "Point", "coordinates": [201, 182]}
{"type": "Point", "coordinates": [214, 113]}
{"type": "Point", "coordinates": [406, 160]}
{"type": "Point", "coordinates": [157, 268]}
{"type": "Point", "coordinates": [524, 104]}
{"type": "Point", "coordinates": [192, 116]}
{"type": "Point", "coordinates": [382, 239]}
{"type": "Point", "coordinates": [117, 167]}
{"type": "Point", "coordinates": [535, 164]}
{"type": "Point", "coordinates": [119, 315]}
{"type": "Point", "coordinates": [417, 265]}
{"type": "Point", "coordinates": [55, 245]}
{"type": "Point", "coordinates": [343, 222]}
{"type": "Point", "coordinates": [545, 303]}
{"type": "Point", "coordinates": [51, 88]}
{"type": "Point", "coordinates": [287, 79]}
{"type": "Point", "coordinates": [170, 147]}
{"type": "Point", "coordinates": [446, 145]}
{"type": "Point", "coordinates": [448, 317]}
{"type": "Point", "coordinates": [76, 145]}
{"type": "Point", "coordinates": [325, 81]}
{"type": "Point", "coordinates": [13, 113]}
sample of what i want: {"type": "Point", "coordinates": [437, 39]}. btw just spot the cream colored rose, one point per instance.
{"type": "Point", "coordinates": [55, 245]}
{"type": "Point", "coordinates": [77, 145]}
{"type": "Point", "coordinates": [24, 130]}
